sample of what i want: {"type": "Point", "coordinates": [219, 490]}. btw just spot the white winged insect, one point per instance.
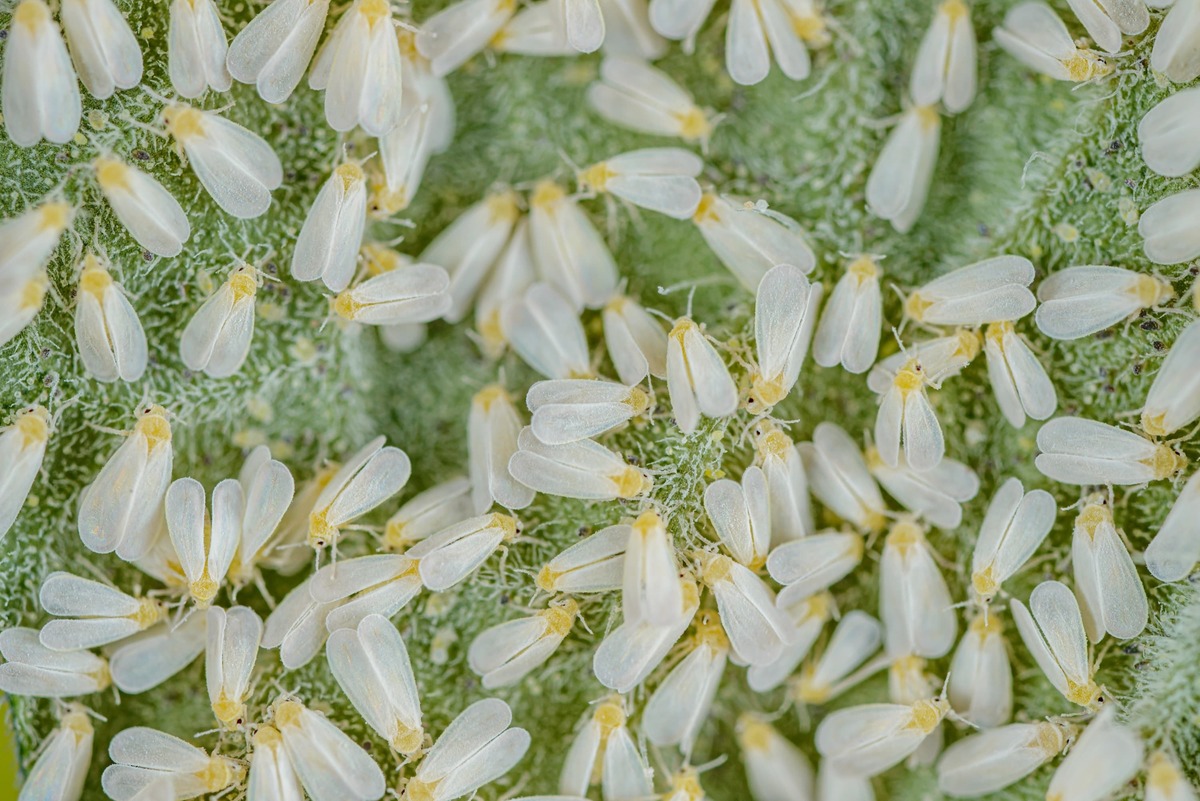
{"type": "Point", "coordinates": [426, 128]}
{"type": "Point", "coordinates": [120, 509]}
{"type": "Point", "coordinates": [470, 245]}
{"type": "Point", "coordinates": [297, 626]}
{"type": "Point", "coordinates": [455, 34]}
{"type": "Point", "coordinates": [1175, 549]}
{"type": "Point", "coordinates": [1165, 780]}
{"type": "Point", "coordinates": [413, 294]}
{"type": "Point", "coordinates": [428, 512]}
{"type": "Point", "coordinates": [22, 450]}
{"type": "Point", "coordinates": [936, 494]}
{"type": "Point", "coordinates": [237, 167]}
{"type": "Point", "coordinates": [1080, 301]}
{"type": "Point", "coordinates": [371, 664]}
{"type": "Point", "coordinates": [274, 50]}
{"type": "Point", "coordinates": [775, 768]}
{"type": "Point", "coordinates": [840, 479]}
{"type": "Point", "coordinates": [141, 756]}
{"type": "Point", "coordinates": [1075, 450]}
{"type": "Point", "coordinates": [842, 663]}
{"type": "Point", "coordinates": [477, 747]}
{"type": "Point", "coordinates": [584, 24]}
{"type": "Point", "coordinates": [943, 357]}
{"type": "Point", "coordinates": [680, 19]}
{"type": "Point", "coordinates": [359, 69]}
{"type": "Point", "coordinates": [1018, 379]}
{"type": "Point", "coordinates": [1111, 596]}
{"type": "Point", "coordinates": [148, 211]}
{"type": "Point", "coordinates": [808, 618]}
{"type": "Point", "coordinates": [906, 417]}
{"type": "Point", "coordinates": [102, 45]}
{"type": "Point", "coordinates": [758, 631]}
{"type": "Point", "coordinates": [571, 409]}
{"type": "Point", "coordinates": [28, 240]}
{"type": "Point", "coordinates": [661, 179]}
{"type": "Point", "coordinates": [146, 660]}
{"type": "Point", "coordinates": [808, 565]}
{"type": "Point", "coordinates": [1169, 236]}
{"type": "Point", "coordinates": [30, 668]}
{"type": "Point", "coordinates": [783, 328]}
{"type": "Point", "coordinates": [697, 379]}
{"type": "Point", "coordinates": [40, 97]}
{"type": "Point", "coordinates": [544, 329]}
{"type": "Point", "coordinates": [538, 29]}
{"type": "Point", "coordinates": [505, 653]}
{"type": "Point", "coordinates": [649, 591]}
{"type": "Point", "coordinates": [900, 178]}
{"type": "Point", "coordinates": [1013, 528]}
{"type": "Point", "coordinates": [627, 30]}
{"type": "Point", "coordinates": [20, 302]}
{"type": "Point", "coordinates": [751, 240]}
{"type": "Point", "coordinates": [449, 556]}
{"type": "Point", "coordinates": [631, 651]}
{"type": "Point", "coordinates": [682, 701]}
{"type": "Point", "coordinates": [842, 785]}
{"type": "Point", "coordinates": [1174, 398]}
{"type": "Point", "coordinates": [330, 765]}
{"type": "Point", "coordinates": [505, 286]}
{"type": "Point", "coordinates": [581, 469]}
{"type": "Point", "coordinates": [848, 331]}
{"type": "Point", "coordinates": [1173, 54]}
{"type": "Point", "coordinates": [1163, 132]}
{"type": "Point", "coordinates": [233, 640]}
{"type": "Point", "coordinates": [989, 291]}
{"type": "Point", "coordinates": [604, 751]}
{"type": "Point", "coordinates": [108, 333]}
{"type": "Point", "coordinates": [196, 49]}
{"type": "Point", "coordinates": [376, 584]}
{"type": "Point", "coordinates": [205, 546]}
{"type": "Point", "coordinates": [787, 483]}
{"type": "Point", "coordinates": [1052, 629]}
{"type": "Point", "coordinates": [492, 431]}
{"type": "Point", "coordinates": [945, 67]}
{"type": "Point", "coordinates": [758, 30]}
{"type": "Point", "coordinates": [980, 684]}
{"type": "Point", "coordinates": [373, 474]}
{"type": "Point", "coordinates": [635, 341]}
{"type": "Point", "coordinates": [1106, 20]}
{"type": "Point", "coordinates": [1103, 760]}
{"type": "Point", "coordinates": [740, 513]}
{"type": "Point", "coordinates": [993, 759]}
{"type": "Point", "coordinates": [272, 777]}
{"type": "Point", "coordinates": [871, 738]}
{"type": "Point", "coordinates": [918, 615]}
{"type": "Point", "coordinates": [568, 250]}
{"type": "Point", "coordinates": [1035, 35]}
{"type": "Point", "coordinates": [635, 95]}
{"type": "Point", "coordinates": [268, 488]}
{"type": "Point", "coordinates": [66, 754]}
{"type": "Point", "coordinates": [328, 244]}
{"type": "Point", "coordinates": [99, 614]}
{"type": "Point", "coordinates": [594, 564]}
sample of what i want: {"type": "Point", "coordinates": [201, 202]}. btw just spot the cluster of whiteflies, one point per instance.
{"type": "Point", "coordinates": [756, 593]}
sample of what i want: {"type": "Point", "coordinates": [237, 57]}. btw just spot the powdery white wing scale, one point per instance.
{"type": "Point", "coordinates": [330, 765]}
{"type": "Point", "coordinates": [102, 46]}
{"type": "Point", "coordinates": [274, 50]}
{"type": "Point", "coordinates": [40, 95]}
{"type": "Point", "coordinates": [237, 167]}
